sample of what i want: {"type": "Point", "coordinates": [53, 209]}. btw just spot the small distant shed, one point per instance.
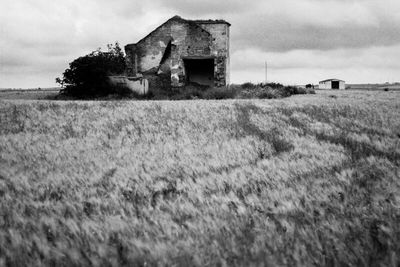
{"type": "Point", "coordinates": [332, 84]}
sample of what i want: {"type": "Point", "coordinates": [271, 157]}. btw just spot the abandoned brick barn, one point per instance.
{"type": "Point", "coordinates": [180, 52]}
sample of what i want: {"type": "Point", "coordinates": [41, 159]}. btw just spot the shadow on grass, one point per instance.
{"type": "Point", "coordinates": [246, 127]}
{"type": "Point", "coordinates": [342, 135]}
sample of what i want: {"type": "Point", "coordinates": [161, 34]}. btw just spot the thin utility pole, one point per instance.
{"type": "Point", "coordinates": [266, 72]}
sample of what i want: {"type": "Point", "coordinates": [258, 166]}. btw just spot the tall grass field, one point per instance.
{"type": "Point", "coordinates": [311, 180]}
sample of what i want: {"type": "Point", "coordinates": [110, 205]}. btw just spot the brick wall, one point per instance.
{"type": "Point", "coordinates": [220, 49]}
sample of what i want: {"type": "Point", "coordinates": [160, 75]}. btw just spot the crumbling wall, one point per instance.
{"type": "Point", "coordinates": [220, 49]}
{"type": "Point", "coordinates": [145, 56]}
{"type": "Point", "coordinates": [138, 85]}
{"type": "Point", "coordinates": [189, 40]}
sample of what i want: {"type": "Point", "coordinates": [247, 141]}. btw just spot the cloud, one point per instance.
{"type": "Point", "coordinates": [206, 8]}
{"type": "Point", "coordinates": [311, 24]}
{"type": "Point", "coordinates": [41, 37]}
{"type": "Point", "coordinates": [305, 66]}
{"type": "Point", "coordinates": [287, 35]}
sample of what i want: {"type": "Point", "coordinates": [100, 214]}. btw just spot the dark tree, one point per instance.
{"type": "Point", "coordinates": [87, 76]}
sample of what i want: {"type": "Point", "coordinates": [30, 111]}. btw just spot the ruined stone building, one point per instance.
{"type": "Point", "coordinates": [182, 51]}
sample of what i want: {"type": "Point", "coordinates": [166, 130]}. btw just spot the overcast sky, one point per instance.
{"type": "Point", "coordinates": [304, 41]}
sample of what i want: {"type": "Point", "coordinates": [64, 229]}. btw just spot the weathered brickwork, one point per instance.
{"type": "Point", "coordinates": [221, 35]}
{"type": "Point", "coordinates": [181, 49]}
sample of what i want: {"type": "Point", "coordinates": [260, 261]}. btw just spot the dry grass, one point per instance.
{"type": "Point", "coordinates": [309, 180]}
{"type": "Point", "coordinates": [32, 94]}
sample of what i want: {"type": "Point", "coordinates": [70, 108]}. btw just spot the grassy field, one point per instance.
{"type": "Point", "coordinates": [311, 180]}
{"type": "Point", "coordinates": [395, 86]}
{"type": "Point", "coordinates": [31, 94]}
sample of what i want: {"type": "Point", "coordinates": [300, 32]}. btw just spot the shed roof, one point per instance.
{"type": "Point", "coordinates": [328, 80]}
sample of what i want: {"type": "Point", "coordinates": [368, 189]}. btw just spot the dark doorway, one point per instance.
{"type": "Point", "coordinates": [335, 84]}
{"type": "Point", "coordinates": [200, 71]}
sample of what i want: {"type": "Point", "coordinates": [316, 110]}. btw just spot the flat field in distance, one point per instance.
{"type": "Point", "coordinates": [382, 86]}
{"type": "Point", "coordinates": [28, 94]}
{"type": "Point", "coordinates": [307, 180]}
